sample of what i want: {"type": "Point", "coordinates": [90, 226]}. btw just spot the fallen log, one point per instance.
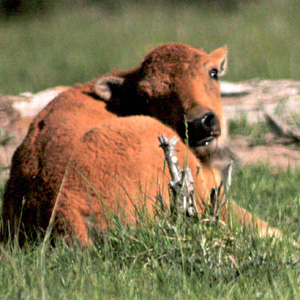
{"type": "Point", "coordinates": [281, 129]}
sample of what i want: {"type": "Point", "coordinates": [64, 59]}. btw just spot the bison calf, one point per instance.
{"type": "Point", "coordinates": [90, 151]}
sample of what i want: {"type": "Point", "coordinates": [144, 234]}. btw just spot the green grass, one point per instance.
{"type": "Point", "coordinates": [167, 260]}
{"type": "Point", "coordinates": [255, 132]}
{"type": "Point", "coordinates": [76, 44]}
{"type": "Point", "coordinates": [157, 260]}
{"type": "Point", "coordinates": [243, 127]}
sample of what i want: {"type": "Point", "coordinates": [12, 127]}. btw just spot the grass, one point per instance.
{"type": "Point", "coordinates": [243, 127]}
{"type": "Point", "coordinates": [167, 260]}
{"type": "Point", "coordinates": [256, 132]}
{"type": "Point", "coordinates": [157, 260]}
{"type": "Point", "coordinates": [75, 44]}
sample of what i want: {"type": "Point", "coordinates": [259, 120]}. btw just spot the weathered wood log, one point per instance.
{"type": "Point", "coordinates": [248, 99]}
{"type": "Point", "coordinates": [16, 114]}
{"type": "Point", "coordinates": [252, 98]}
{"type": "Point", "coordinates": [281, 129]}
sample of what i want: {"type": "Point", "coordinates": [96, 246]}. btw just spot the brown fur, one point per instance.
{"type": "Point", "coordinates": [129, 174]}
{"type": "Point", "coordinates": [83, 153]}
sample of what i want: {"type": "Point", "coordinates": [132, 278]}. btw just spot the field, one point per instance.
{"type": "Point", "coordinates": [74, 44]}
{"type": "Point", "coordinates": [161, 260]}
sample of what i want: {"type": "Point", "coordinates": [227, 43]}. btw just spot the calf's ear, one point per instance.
{"type": "Point", "coordinates": [106, 86]}
{"type": "Point", "coordinates": [219, 56]}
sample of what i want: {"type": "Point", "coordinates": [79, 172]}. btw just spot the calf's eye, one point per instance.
{"type": "Point", "coordinates": [213, 73]}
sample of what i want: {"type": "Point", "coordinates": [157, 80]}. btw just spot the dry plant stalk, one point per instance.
{"type": "Point", "coordinates": [182, 183]}
{"type": "Point", "coordinates": [281, 129]}
{"type": "Point", "coordinates": [218, 199]}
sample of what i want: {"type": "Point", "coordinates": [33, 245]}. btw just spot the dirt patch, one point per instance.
{"type": "Point", "coordinates": [275, 152]}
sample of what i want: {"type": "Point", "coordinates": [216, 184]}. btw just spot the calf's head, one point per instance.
{"type": "Point", "coordinates": [178, 85]}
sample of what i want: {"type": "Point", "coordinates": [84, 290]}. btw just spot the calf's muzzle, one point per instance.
{"type": "Point", "coordinates": [203, 128]}
{"type": "Point", "coordinates": [201, 131]}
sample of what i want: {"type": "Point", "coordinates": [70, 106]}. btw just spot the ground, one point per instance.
{"type": "Point", "coordinates": [275, 152]}
{"type": "Point", "coordinates": [252, 140]}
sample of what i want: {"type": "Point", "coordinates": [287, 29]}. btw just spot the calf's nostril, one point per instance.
{"type": "Point", "coordinates": [208, 120]}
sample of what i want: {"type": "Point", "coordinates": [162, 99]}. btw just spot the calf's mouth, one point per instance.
{"type": "Point", "coordinates": [202, 133]}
